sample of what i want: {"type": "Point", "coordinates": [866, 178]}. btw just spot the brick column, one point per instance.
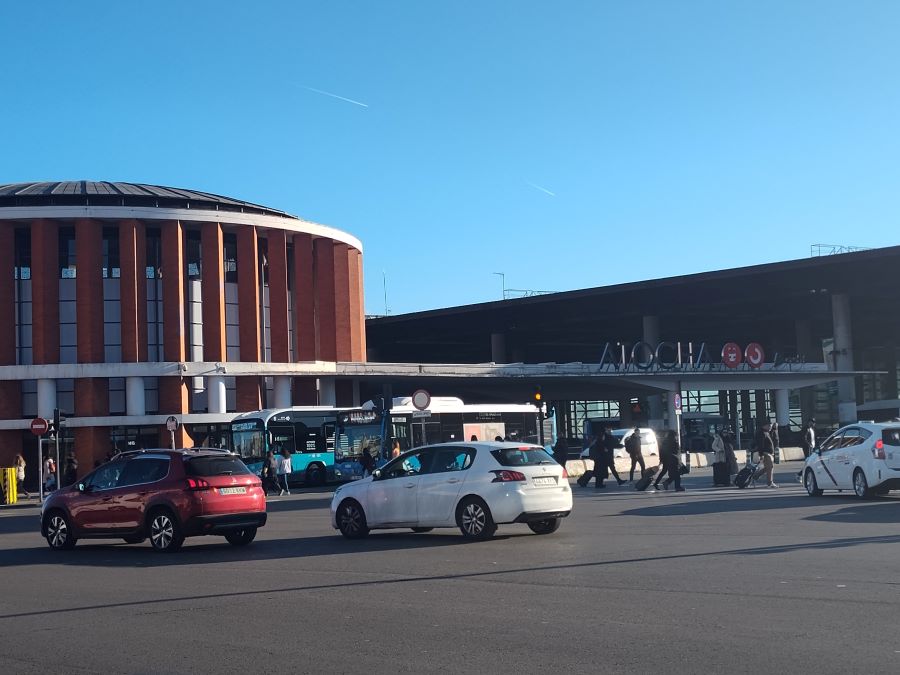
{"type": "Point", "coordinates": [91, 394]}
{"type": "Point", "coordinates": [10, 391]}
{"type": "Point", "coordinates": [326, 338]}
{"type": "Point", "coordinates": [247, 391]}
{"type": "Point", "coordinates": [173, 393]}
{"type": "Point", "coordinates": [343, 305]}
{"type": "Point", "coordinates": [278, 296]}
{"type": "Point", "coordinates": [304, 316]}
{"type": "Point", "coordinates": [357, 318]}
{"type": "Point", "coordinates": [213, 292]}
{"type": "Point", "coordinates": [133, 290]}
{"type": "Point", "coordinates": [45, 291]}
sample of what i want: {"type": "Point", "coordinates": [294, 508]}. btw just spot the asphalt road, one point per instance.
{"type": "Point", "coordinates": [709, 580]}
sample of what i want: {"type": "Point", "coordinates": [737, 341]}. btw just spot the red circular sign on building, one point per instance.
{"type": "Point", "coordinates": [754, 355]}
{"type": "Point", "coordinates": [39, 426]}
{"type": "Point", "coordinates": [731, 355]}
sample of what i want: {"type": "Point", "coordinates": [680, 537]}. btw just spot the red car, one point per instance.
{"type": "Point", "coordinates": [165, 495]}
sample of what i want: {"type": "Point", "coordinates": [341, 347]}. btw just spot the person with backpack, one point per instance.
{"type": "Point", "coordinates": [561, 451]}
{"type": "Point", "coordinates": [269, 474]}
{"type": "Point", "coordinates": [633, 448]}
{"type": "Point", "coordinates": [670, 458]}
{"type": "Point", "coordinates": [766, 449]}
{"type": "Point", "coordinates": [596, 453]}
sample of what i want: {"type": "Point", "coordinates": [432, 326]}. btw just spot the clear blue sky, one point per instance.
{"type": "Point", "coordinates": [676, 137]}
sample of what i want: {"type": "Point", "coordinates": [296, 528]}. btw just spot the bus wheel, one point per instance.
{"type": "Point", "coordinates": [315, 474]}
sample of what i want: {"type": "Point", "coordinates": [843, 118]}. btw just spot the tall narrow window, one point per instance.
{"type": "Point", "coordinates": [111, 268]}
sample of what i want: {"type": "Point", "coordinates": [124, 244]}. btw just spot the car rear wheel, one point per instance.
{"type": "Point", "coordinates": [165, 533]}
{"type": "Point", "coordinates": [351, 520]}
{"type": "Point", "coordinates": [241, 537]}
{"type": "Point", "coordinates": [59, 532]}
{"type": "Point", "coordinates": [548, 526]}
{"type": "Point", "coordinates": [315, 475]}
{"type": "Point", "coordinates": [809, 482]}
{"type": "Point", "coordinates": [422, 530]}
{"type": "Point", "coordinates": [474, 519]}
{"type": "Point", "coordinates": [861, 485]}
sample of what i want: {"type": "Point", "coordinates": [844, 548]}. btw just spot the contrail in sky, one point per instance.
{"type": "Point", "coordinates": [542, 189]}
{"type": "Point", "coordinates": [341, 98]}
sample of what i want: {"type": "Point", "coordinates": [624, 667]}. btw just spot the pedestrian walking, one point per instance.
{"type": "Point", "coordinates": [284, 470]}
{"type": "Point", "coordinates": [269, 473]}
{"type": "Point", "coordinates": [633, 448]}
{"type": "Point", "coordinates": [610, 443]}
{"type": "Point", "coordinates": [808, 440]}
{"type": "Point", "coordinates": [775, 435]}
{"type": "Point", "coordinates": [766, 449]}
{"type": "Point", "coordinates": [71, 473]}
{"type": "Point", "coordinates": [367, 461]}
{"type": "Point", "coordinates": [561, 451]}
{"type": "Point", "coordinates": [48, 474]}
{"type": "Point", "coordinates": [670, 458]}
{"type": "Point", "coordinates": [395, 449]}
{"type": "Point", "coordinates": [596, 453]}
{"type": "Point", "coordinates": [20, 475]}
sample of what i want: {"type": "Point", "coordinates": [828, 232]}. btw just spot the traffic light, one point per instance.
{"type": "Point", "coordinates": [59, 418]}
{"type": "Point", "coordinates": [538, 396]}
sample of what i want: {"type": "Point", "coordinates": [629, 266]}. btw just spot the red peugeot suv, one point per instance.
{"type": "Point", "coordinates": [165, 495]}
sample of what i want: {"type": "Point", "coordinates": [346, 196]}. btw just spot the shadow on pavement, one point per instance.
{"type": "Point", "coordinates": [886, 511]}
{"type": "Point", "coordinates": [762, 501]}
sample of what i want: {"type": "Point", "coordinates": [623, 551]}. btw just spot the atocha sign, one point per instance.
{"type": "Point", "coordinates": [667, 356]}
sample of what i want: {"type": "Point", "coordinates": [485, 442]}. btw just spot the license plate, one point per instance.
{"type": "Point", "coordinates": [233, 491]}
{"type": "Point", "coordinates": [544, 480]}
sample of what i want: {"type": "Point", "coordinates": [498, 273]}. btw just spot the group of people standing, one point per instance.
{"type": "Point", "coordinates": [602, 453]}
{"type": "Point", "coordinates": [275, 472]}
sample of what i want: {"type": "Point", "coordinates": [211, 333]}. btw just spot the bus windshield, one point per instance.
{"type": "Point", "coordinates": [354, 439]}
{"type": "Point", "coordinates": [248, 438]}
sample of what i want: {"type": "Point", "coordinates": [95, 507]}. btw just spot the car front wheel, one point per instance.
{"type": "Point", "coordinates": [861, 485]}
{"type": "Point", "coordinates": [548, 526]}
{"type": "Point", "coordinates": [474, 519]}
{"type": "Point", "coordinates": [59, 532]}
{"type": "Point", "coordinates": [809, 482]}
{"type": "Point", "coordinates": [241, 537]}
{"type": "Point", "coordinates": [165, 533]}
{"type": "Point", "coordinates": [351, 520]}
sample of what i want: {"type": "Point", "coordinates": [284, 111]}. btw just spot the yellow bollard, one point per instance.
{"type": "Point", "coordinates": [10, 492]}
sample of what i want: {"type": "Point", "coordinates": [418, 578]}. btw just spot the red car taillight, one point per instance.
{"type": "Point", "coordinates": [505, 476]}
{"type": "Point", "coordinates": [198, 484]}
{"type": "Point", "coordinates": [878, 450]}
{"type": "Point", "coordinates": [565, 473]}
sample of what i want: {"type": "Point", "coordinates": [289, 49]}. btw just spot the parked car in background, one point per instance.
{"type": "Point", "coordinates": [163, 495]}
{"type": "Point", "coordinates": [474, 486]}
{"type": "Point", "coordinates": [863, 457]}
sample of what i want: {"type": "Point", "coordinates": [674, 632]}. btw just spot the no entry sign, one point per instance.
{"type": "Point", "coordinates": [39, 426]}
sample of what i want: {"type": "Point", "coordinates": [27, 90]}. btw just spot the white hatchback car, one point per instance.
{"type": "Point", "coordinates": [474, 486]}
{"type": "Point", "coordinates": [863, 457]}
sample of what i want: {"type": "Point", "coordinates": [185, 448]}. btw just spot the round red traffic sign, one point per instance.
{"type": "Point", "coordinates": [421, 399]}
{"type": "Point", "coordinates": [731, 355]}
{"type": "Point", "coordinates": [39, 426]}
{"type": "Point", "coordinates": [754, 355]}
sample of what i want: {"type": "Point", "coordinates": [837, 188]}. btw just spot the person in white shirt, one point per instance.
{"type": "Point", "coordinates": [284, 470]}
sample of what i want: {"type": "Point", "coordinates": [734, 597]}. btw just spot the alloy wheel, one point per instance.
{"type": "Point", "coordinates": [57, 532]}
{"type": "Point", "coordinates": [162, 532]}
{"type": "Point", "coordinates": [473, 519]}
{"type": "Point", "coordinates": [351, 519]}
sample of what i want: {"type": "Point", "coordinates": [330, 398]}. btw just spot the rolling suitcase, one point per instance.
{"type": "Point", "coordinates": [646, 479]}
{"type": "Point", "coordinates": [721, 477]}
{"type": "Point", "coordinates": [744, 476]}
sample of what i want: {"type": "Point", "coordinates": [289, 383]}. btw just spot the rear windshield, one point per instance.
{"type": "Point", "coordinates": [215, 466]}
{"type": "Point", "coordinates": [891, 437]}
{"type": "Point", "coordinates": [521, 456]}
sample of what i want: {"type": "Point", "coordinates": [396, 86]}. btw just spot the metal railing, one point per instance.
{"type": "Point", "coordinates": [817, 250]}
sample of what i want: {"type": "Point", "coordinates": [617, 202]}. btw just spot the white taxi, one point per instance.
{"type": "Point", "coordinates": [863, 457]}
{"type": "Point", "coordinates": [474, 486]}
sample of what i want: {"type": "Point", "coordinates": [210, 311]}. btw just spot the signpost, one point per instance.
{"type": "Point", "coordinates": [39, 427]}
{"type": "Point", "coordinates": [678, 410]}
{"type": "Point", "coordinates": [172, 427]}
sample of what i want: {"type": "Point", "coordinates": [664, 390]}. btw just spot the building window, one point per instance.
{"type": "Point", "coordinates": [111, 268]}
{"type": "Point", "coordinates": [66, 253]}
{"type": "Point", "coordinates": [23, 255]}
{"type": "Point", "coordinates": [193, 258]}
{"type": "Point", "coordinates": [229, 248]}
{"type": "Point", "coordinates": [154, 255]}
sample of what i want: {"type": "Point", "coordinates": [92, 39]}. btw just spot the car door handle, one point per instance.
{"type": "Point", "coordinates": [409, 486]}
{"type": "Point", "coordinates": [453, 480]}
{"type": "Point", "coordinates": [107, 499]}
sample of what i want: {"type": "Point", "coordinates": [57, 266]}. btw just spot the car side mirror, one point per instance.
{"type": "Point", "coordinates": [376, 474]}
{"type": "Point", "coordinates": [83, 488]}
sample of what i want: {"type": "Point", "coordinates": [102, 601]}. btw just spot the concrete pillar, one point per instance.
{"type": "Point", "coordinates": [805, 350]}
{"type": "Point", "coordinates": [672, 422]}
{"type": "Point", "coordinates": [216, 394]}
{"type": "Point", "coordinates": [135, 402]}
{"type": "Point", "coordinates": [782, 407]}
{"type": "Point", "coordinates": [356, 396]}
{"type": "Point", "coordinates": [282, 391]}
{"type": "Point", "coordinates": [498, 347]}
{"type": "Point", "coordinates": [654, 402]}
{"type": "Point", "coordinates": [842, 356]}
{"type": "Point", "coordinates": [327, 391]}
{"type": "Point", "coordinates": [46, 398]}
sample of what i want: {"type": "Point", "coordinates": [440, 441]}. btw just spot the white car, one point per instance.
{"type": "Point", "coordinates": [863, 457]}
{"type": "Point", "coordinates": [473, 486]}
{"type": "Point", "coordinates": [649, 444]}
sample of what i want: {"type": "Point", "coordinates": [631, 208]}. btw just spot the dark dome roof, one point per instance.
{"type": "Point", "coordinates": [91, 193]}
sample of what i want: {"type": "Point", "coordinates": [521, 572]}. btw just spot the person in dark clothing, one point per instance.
{"type": "Point", "coordinates": [808, 442]}
{"type": "Point", "coordinates": [633, 448]}
{"type": "Point", "coordinates": [269, 474]}
{"type": "Point", "coordinates": [367, 461]}
{"type": "Point", "coordinates": [669, 455]}
{"type": "Point", "coordinates": [561, 451]}
{"type": "Point", "coordinates": [610, 443]}
{"type": "Point", "coordinates": [766, 449]}
{"type": "Point", "coordinates": [596, 453]}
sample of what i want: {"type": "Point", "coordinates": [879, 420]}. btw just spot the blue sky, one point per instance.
{"type": "Point", "coordinates": [675, 137]}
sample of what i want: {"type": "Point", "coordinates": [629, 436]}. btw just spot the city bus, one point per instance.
{"type": "Point", "coordinates": [325, 444]}
{"type": "Point", "coordinates": [449, 419]}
